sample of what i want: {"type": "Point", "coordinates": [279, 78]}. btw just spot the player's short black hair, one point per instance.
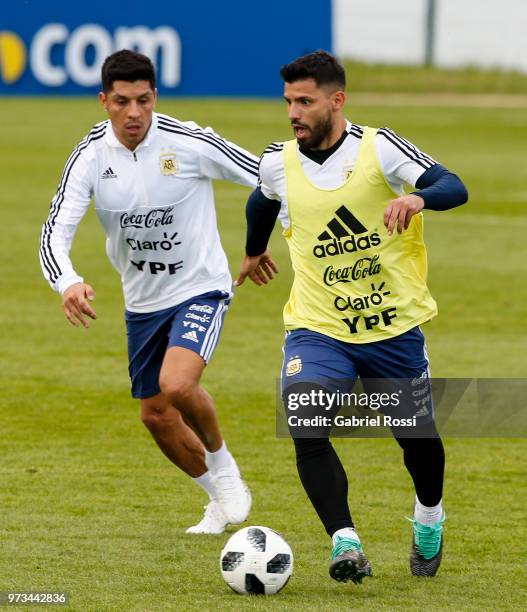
{"type": "Point", "coordinates": [320, 65]}
{"type": "Point", "coordinates": [126, 65]}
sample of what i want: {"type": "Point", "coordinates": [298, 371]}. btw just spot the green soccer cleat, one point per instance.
{"type": "Point", "coordinates": [427, 548]}
{"type": "Point", "coordinates": [348, 561]}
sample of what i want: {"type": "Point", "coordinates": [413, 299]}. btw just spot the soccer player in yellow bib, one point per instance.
{"type": "Point", "coordinates": [359, 292]}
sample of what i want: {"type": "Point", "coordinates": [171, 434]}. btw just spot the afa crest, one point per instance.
{"type": "Point", "coordinates": [294, 366]}
{"type": "Point", "coordinates": [347, 171]}
{"type": "Point", "coordinates": [168, 164]}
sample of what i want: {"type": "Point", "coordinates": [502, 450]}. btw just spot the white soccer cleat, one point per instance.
{"type": "Point", "coordinates": [213, 522]}
{"type": "Point", "coordinates": [232, 493]}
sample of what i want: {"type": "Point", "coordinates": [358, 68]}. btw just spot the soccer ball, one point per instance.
{"type": "Point", "coordinates": [256, 561]}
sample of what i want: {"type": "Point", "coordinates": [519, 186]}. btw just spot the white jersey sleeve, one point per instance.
{"type": "Point", "coordinates": [271, 172]}
{"type": "Point", "coordinates": [402, 162]}
{"type": "Point", "coordinates": [68, 207]}
{"type": "Point", "coordinates": [272, 179]}
{"type": "Point", "coordinates": [221, 159]}
{"type": "Point", "coordinates": [226, 161]}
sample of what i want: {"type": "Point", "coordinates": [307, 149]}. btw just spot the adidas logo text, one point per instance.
{"type": "Point", "coordinates": [341, 237]}
{"type": "Point", "coordinates": [351, 245]}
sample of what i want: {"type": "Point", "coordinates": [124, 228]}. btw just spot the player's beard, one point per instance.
{"type": "Point", "coordinates": [320, 131]}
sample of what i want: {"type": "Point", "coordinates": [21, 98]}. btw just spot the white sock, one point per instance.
{"type": "Point", "coordinates": [204, 481]}
{"type": "Point", "coordinates": [219, 459]}
{"type": "Point", "coordinates": [428, 515]}
{"type": "Point", "coordinates": [346, 532]}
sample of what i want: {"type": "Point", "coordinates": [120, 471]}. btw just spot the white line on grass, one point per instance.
{"type": "Point", "coordinates": [479, 220]}
{"type": "Point", "coordinates": [439, 99]}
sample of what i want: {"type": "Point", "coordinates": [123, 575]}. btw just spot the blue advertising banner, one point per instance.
{"type": "Point", "coordinates": [207, 47]}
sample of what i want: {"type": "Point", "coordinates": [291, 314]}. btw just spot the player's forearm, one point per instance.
{"type": "Point", "coordinates": [441, 189]}
{"type": "Point", "coordinates": [261, 214]}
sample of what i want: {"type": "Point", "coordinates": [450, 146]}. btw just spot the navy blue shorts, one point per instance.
{"type": "Point", "coordinates": [311, 358]}
{"type": "Point", "coordinates": [195, 324]}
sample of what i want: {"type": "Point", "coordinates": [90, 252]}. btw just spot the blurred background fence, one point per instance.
{"type": "Point", "coordinates": [446, 33]}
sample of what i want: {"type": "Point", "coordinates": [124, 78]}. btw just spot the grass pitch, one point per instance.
{"type": "Point", "coordinates": [87, 502]}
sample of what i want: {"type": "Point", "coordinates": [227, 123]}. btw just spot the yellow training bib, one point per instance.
{"type": "Point", "coordinates": [352, 280]}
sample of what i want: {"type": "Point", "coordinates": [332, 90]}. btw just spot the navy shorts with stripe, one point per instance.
{"type": "Point", "coordinates": [311, 357]}
{"type": "Point", "coordinates": [194, 324]}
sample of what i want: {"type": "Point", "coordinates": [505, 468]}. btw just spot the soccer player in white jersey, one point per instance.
{"type": "Point", "coordinates": [151, 179]}
{"type": "Point", "coordinates": [359, 293]}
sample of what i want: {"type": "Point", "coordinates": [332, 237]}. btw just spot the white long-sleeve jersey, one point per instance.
{"type": "Point", "coordinates": [156, 205]}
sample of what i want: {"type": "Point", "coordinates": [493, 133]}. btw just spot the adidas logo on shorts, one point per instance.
{"type": "Point", "coordinates": [191, 335]}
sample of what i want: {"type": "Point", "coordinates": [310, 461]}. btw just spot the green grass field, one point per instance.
{"type": "Point", "coordinates": [87, 502]}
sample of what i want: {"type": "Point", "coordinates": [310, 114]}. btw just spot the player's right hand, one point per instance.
{"type": "Point", "coordinates": [260, 269]}
{"type": "Point", "coordinates": [76, 304]}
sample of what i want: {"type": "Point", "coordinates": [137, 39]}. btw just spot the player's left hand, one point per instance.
{"type": "Point", "coordinates": [400, 211]}
{"type": "Point", "coordinates": [260, 269]}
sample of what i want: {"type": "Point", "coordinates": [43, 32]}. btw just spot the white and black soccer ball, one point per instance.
{"type": "Point", "coordinates": [256, 561]}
